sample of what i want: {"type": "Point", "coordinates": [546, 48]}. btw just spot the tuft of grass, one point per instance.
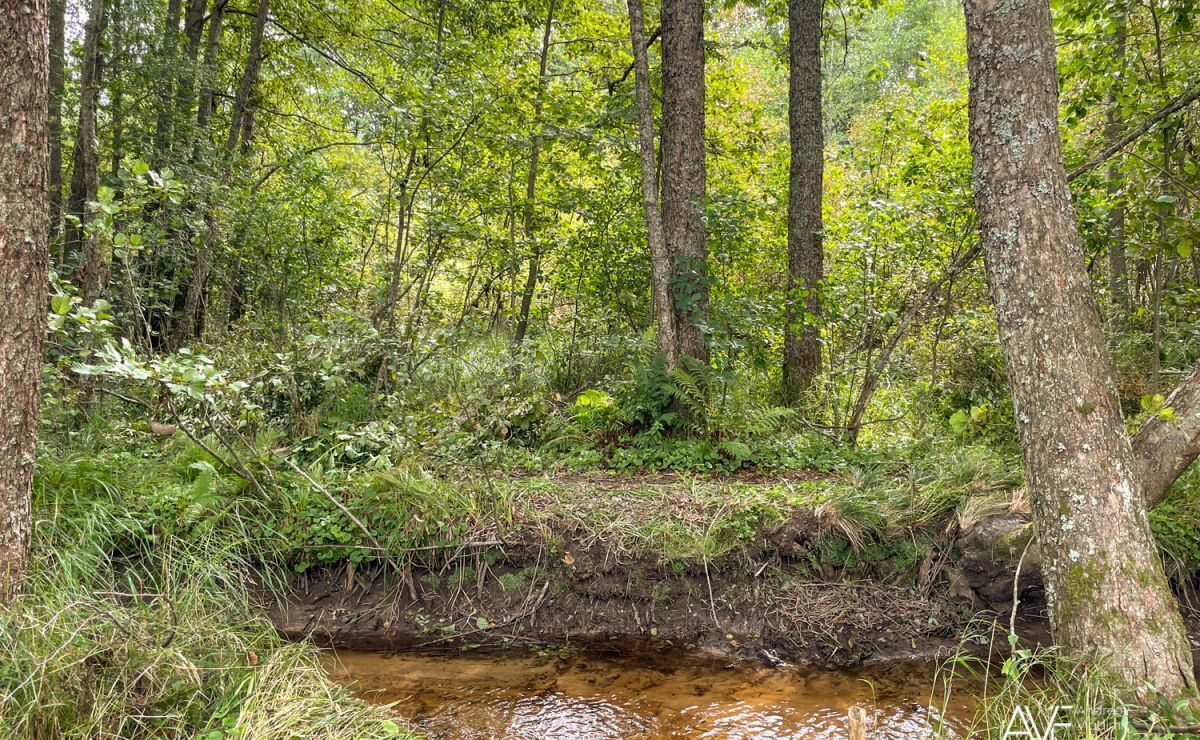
{"type": "Point", "coordinates": [1047, 684]}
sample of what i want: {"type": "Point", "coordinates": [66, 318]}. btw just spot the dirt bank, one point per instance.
{"type": "Point", "coordinates": [772, 601]}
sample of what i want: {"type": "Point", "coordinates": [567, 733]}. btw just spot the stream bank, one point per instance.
{"type": "Point", "coordinates": [772, 602]}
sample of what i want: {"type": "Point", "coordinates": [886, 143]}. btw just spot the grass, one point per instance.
{"type": "Point", "coordinates": [1034, 687]}
{"type": "Point", "coordinates": [159, 642]}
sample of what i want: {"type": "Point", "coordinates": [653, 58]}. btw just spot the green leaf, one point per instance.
{"type": "Point", "coordinates": [60, 304]}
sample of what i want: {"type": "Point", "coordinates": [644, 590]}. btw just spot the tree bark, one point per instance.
{"type": "Point", "coordinates": [1105, 584]}
{"type": "Point", "coordinates": [802, 333]}
{"type": "Point", "coordinates": [58, 13]}
{"type": "Point", "coordinates": [92, 276]}
{"type": "Point", "coordinates": [683, 181]}
{"type": "Point", "coordinates": [660, 259]}
{"type": "Point", "coordinates": [24, 229]}
{"type": "Point", "coordinates": [535, 254]}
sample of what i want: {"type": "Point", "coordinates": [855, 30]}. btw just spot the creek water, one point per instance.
{"type": "Point", "coordinates": [578, 695]}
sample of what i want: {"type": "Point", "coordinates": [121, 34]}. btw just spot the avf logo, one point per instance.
{"type": "Point", "coordinates": [1024, 724]}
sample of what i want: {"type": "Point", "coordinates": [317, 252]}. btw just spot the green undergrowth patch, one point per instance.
{"type": "Point", "coordinates": [137, 618]}
{"type": "Point", "coordinates": [867, 514]}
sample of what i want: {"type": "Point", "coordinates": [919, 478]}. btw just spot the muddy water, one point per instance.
{"type": "Point", "coordinates": [595, 698]}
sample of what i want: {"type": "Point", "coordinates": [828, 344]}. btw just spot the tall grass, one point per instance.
{"type": "Point", "coordinates": [1032, 688]}
{"type": "Point", "coordinates": [158, 641]}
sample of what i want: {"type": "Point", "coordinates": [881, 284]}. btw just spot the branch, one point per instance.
{"type": "Point", "coordinates": [1164, 449]}
{"type": "Point", "coordinates": [628, 70]}
{"type": "Point", "coordinates": [1180, 102]}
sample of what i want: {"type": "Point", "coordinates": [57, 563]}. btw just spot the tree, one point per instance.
{"type": "Point", "coordinates": [240, 133]}
{"type": "Point", "coordinates": [683, 182]}
{"type": "Point", "coordinates": [1105, 583]}
{"type": "Point", "coordinates": [535, 256]}
{"type": "Point", "coordinates": [660, 258]}
{"type": "Point", "coordinates": [58, 10]}
{"type": "Point", "coordinates": [802, 335]}
{"type": "Point", "coordinates": [92, 276]}
{"type": "Point", "coordinates": [24, 229]}
{"type": "Point", "coordinates": [1118, 279]}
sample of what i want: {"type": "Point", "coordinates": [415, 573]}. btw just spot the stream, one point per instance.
{"type": "Point", "coordinates": [557, 695]}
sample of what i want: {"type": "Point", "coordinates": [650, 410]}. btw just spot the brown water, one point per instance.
{"type": "Point", "coordinates": [552, 696]}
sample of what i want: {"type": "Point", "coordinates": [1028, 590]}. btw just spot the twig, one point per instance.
{"type": "Point", "coordinates": [1012, 619]}
{"type": "Point", "coordinates": [239, 469]}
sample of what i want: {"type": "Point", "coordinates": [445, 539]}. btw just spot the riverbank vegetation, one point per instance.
{"type": "Point", "coordinates": [460, 308]}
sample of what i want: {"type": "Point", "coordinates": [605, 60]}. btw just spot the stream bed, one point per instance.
{"type": "Point", "coordinates": [561, 695]}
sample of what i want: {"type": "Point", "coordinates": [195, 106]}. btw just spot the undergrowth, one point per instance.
{"type": "Point", "coordinates": [123, 632]}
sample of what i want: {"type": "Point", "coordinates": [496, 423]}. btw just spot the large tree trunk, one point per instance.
{"type": "Point", "coordinates": [24, 227]}
{"type": "Point", "coordinates": [660, 259]}
{"type": "Point", "coordinates": [92, 276]}
{"type": "Point", "coordinates": [535, 253]}
{"type": "Point", "coordinates": [58, 15]}
{"type": "Point", "coordinates": [1104, 581]}
{"type": "Point", "coordinates": [802, 334]}
{"type": "Point", "coordinates": [683, 182]}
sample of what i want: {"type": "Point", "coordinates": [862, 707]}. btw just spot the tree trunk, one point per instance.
{"type": "Point", "coordinates": [168, 53]}
{"type": "Point", "coordinates": [683, 181]}
{"type": "Point", "coordinates": [535, 255]}
{"type": "Point", "coordinates": [1104, 581]}
{"type": "Point", "coordinates": [1165, 448]}
{"type": "Point", "coordinates": [660, 259]}
{"type": "Point", "coordinates": [239, 136]}
{"type": "Point", "coordinates": [185, 82]}
{"type": "Point", "coordinates": [1118, 270]}
{"type": "Point", "coordinates": [92, 276]}
{"type": "Point", "coordinates": [58, 13]}
{"type": "Point", "coordinates": [24, 228]}
{"type": "Point", "coordinates": [208, 73]}
{"type": "Point", "coordinates": [116, 94]}
{"type": "Point", "coordinates": [802, 333]}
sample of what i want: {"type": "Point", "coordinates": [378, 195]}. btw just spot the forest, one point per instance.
{"type": "Point", "coordinates": [788, 335]}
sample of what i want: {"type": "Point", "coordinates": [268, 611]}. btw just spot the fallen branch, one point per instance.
{"type": "Point", "coordinates": [344, 510]}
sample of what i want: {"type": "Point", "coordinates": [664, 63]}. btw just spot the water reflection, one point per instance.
{"type": "Point", "coordinates": [551, 697]}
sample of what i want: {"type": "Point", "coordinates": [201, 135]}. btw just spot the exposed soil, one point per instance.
{"type": "Point", "coordinates": [772, 605]}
